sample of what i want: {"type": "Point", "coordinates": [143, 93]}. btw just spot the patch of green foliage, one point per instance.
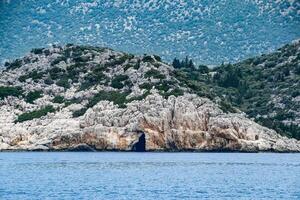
{"type": "Point", "coordinates": [96, 76]}
{"type": "Point", "coordinates": [63, 82]}
{"type": "Point", "coordinates": [37, 50]}
{"type": "Point", "coordinates": [56, 72]}
{"type": "Point", "coordinates": [148, 59]}
{"type": "Point", "coordinates": [119, 61]}
{"type": "Point", "coordinates": [251, 86]}
{"type": "Point", "coordinates": [34, 75]}
{"type": "Point", "coordinates": [10, 91]}
{"type": "Point", "coordinates": [58, 60]}
{"type": "Point", "coordinates": [154, 74]}
{"type": "Point", "coordinates": [79, 112]}
{"type": "Point", "coordinates": [58, 99]}
{"type": "Point", "coordinates": [31, 96]}
{"type": "Point", "coordinates": [118, 98]}
{"type": "Point", "coordinates": [119, 81]}
{"type": "Point", "coordinates": [35, 114]}
{"type": "Point", "coordinates": [13, 65]}
{"type": "Point", "coordinates": [158, 58]}
{"type": "Point", "coordinates": [186, 63]}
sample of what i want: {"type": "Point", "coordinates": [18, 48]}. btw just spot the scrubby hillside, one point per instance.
{"type": "Point", "coordinates": [90, 98]}
{"type": "Point", "coordinates": [266, 87]}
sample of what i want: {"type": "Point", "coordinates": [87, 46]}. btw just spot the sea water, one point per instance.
{"type": "Point", "coordinates": [113, 175]}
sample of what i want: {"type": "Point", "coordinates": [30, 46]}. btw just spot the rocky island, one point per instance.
{"type": "Point", "coordinates": [96, 99]}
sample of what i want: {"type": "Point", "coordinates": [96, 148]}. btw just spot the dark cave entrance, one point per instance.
{"type": "Point", "coordinates": [140, 146]}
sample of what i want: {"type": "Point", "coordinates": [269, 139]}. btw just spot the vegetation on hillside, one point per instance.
{"type": "Point", "coordinates": [264, 87]}
{"type": "Point", "coordinates": [35, 114]}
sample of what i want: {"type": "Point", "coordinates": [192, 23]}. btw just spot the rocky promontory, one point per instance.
{"type": "Point", "coordinates": [90, 98]}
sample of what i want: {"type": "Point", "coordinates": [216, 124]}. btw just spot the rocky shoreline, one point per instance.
{"type": "Point", "coordinates": [133, 104]}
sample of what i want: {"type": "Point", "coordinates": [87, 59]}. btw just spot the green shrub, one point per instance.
{"type": "Point", "coordinates": [148, 59]}
{"type": "Point", "coordinates": [92, 79]}
{"type": "Point", "coordinates": [63, 82]}
{"type": "Point", "coordinates": [203, 69]}
{"type": "Point", "coordinates": [119, 61]}
{"type": "Point", "coordinates": [31, 96]}
{"type": "Point", "coordinates": [58, 60]}
{"type": "Point", "coordinates": [35, 114]}
{"type": "Point", "coordinates": [158, 58]}
{"type": "Point", "coordinates": [227, 107]}
{"type": "Point", "coordinates": [80, 112]}
{"type": "Point", "coordinates": [10, 91]}
{"type": "Point", "coordinates": [37, 50]}
{"type": "Point", "coordinates": [48, 81]}
{"type": "Point", "coordinates": [175, 92]}
{"type": "Point", "coordinates": [155, 74]}
{"type": "Point", "coordinates": [118, 81]}
{"type": "Point", "coordinates": [117, 97]}
{"type": "Point", "coordinates": [56, 73]}
{"type": "Point", "coordinates": [58, 99]}
{"type": "Point", "coordinates": [126, 67]}
{"type": "Point", "coordinates": [34, 75]}
{"type": "Point", "coordinates": [14, 65]}
{"type": "Point", "coordinates": [147, 86]}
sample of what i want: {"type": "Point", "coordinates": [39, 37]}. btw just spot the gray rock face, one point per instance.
{"type": "Point", "coordinates": [149, 117]}
{"type": "Point", "coordinates": [175, 124]}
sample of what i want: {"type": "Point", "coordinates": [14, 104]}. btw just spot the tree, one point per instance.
{"type": "Point", "coordinates": [176, 63]}
{"type": "Point", "coordinates": [203, 69]}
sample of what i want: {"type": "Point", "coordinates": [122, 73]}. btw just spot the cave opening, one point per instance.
{"type": "Point", "coordinates": [140, 145]}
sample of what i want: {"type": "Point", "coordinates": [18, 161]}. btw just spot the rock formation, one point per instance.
{"type": "Point", "coordinates": [118, 115]}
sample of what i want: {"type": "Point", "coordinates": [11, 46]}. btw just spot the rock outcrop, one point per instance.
{"type": "Point", "coordinates": [185, 123]}
{"type": "Point", "coordinates": [105, 100]}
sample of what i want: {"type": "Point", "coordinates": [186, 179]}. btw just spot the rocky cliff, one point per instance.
{"type": "Point", "coordinates": [88, 98]}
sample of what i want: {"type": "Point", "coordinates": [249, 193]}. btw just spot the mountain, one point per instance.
{"type": "Point", "coordinates": [266, 87]}
{"type": "Point", "coordinates": [208, 31]}
{"type": "Point", "coordinates": [91, 98]}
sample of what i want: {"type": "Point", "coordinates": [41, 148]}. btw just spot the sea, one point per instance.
{"type": "Point", "coordinates": [120, 175]}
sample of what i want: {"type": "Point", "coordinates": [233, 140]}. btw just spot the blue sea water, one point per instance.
{"type": "Point", "coordinates": [208, 31]}
{"type": "Point", "coordinates": [112, 175]}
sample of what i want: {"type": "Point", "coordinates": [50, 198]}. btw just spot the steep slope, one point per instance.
{"type": "Point", "coordinates": [266, 87]}
{"type": "Point", "coordinates": [89, 98]}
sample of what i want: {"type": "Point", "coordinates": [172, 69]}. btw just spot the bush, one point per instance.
{"type": "Point", "coordinates": [80, 112]}
{"type": "Point", "coordinates": [148, 59]}
{"type": "Point", "coordinates": [227, 107]}
{"type": "Point", "coordinates": [147, 86]}
{"type": "Point", "coordinates": [114, 96]}
{"type": "Point", "coordinates": [14, 65]}
{"type": "Point", "coordinates": [118, 81]}
{"type": "Point", "coordinates": [58, 60]}
{"type": "Point", "coordinates": [34, 75]}
{"type": "Point", "coordinates": [203, 69]}
{"type": "Point", "coordinates": [120, 60]}
{"type": "Point", "coordinates": [58, 99]}
{"type": "Point", "coordinates": [37, 50]}
{"type": "Point", "coordinates": [55, 73]}
{"type": "Point", "coordinates": [175, 92]}
{"type": "Point", "coordinates": [35, 114]}
{"type": "Point", "coordinates": [10, 91]}
{"type": "Point", "coordinates": [31, 96]}
{"type": "Point", "coordinates": [63, 82]}
{"type": "Point", "coordinates": [92, 79]}
{"type": "Point", "coordinates": [48, 81]}
{"type": "Point", "coordinates": [158, 58]}
{"type": "Point", "coordinates": [155, 74]}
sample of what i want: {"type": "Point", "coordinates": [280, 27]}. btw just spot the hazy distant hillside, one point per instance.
{"type": "Point", "coordinates": [208, 31]}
